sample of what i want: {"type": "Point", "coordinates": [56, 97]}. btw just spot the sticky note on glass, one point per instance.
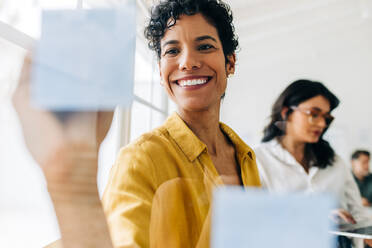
{"type": "Point", "coordinates": [85, 59]}
{"type": "Point", "coordinates": [255, 218]}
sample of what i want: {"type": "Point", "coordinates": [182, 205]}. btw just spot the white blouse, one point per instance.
{"type": "Point", "coordinates": [280, 172]}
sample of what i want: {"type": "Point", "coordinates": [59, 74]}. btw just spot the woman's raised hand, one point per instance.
{"type": "Point", "coordinates": [65, 145]}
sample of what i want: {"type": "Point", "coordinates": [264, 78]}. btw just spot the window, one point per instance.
{"type": "Point", "coordinates": [149, 108]}
{"type": "Point", "coordinates": [26, 210]}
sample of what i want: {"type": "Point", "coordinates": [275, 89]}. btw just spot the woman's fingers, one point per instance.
{"type": "Point", "coordinates": [104, 120]}
{"type": "Point", "coordinates": [345, 216]}
{"type": "Point", "coordinates": [368, 242]}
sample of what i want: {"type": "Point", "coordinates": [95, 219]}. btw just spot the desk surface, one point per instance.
{"type": "Point", "coordinates": [360, 230]}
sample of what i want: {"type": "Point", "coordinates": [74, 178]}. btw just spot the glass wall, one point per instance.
{"type": "Point", "coordinates": [25, 208]}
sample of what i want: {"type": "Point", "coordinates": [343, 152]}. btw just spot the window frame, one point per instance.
{"type": "Point", "coordinates": [124, 115]}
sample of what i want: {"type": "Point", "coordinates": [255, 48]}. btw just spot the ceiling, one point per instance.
{"type": "Point", "coordinates": [259, 22]}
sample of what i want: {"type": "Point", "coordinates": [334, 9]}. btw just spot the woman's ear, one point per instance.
{"type": "Point", "coordinates": [284, 112]}
{"type": "Point", "coordinates": [230, 64]}
{"type": "Point", "coordinates": [161, 78]}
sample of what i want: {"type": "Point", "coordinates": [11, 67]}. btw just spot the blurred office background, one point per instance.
{"type": "Point", "coordinates": [280, 41]}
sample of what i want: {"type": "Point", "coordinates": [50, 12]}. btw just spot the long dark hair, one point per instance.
{"type": "Point", "coordinates": [318, 154]}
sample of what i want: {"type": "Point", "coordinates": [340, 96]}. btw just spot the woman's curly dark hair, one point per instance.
{"type": "Point", "coordinates": [165, 15]}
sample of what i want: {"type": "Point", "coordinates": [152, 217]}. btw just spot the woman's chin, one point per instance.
{"type": "Point", "coordinates": [195, 106]}
{"type": "Point", "coordinates": [313, 140]}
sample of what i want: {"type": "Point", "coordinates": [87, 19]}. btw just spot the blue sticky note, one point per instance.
{"type": "Point", "coordinates": [253, 218]}
{"type": "Point", "coordinates": [85, 59]}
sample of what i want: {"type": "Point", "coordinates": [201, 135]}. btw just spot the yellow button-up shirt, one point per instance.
{"type": "Point", "coordinates": [159, 191]}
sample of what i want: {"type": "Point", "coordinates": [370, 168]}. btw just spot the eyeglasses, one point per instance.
{"type": "Point", "coordinates": [315, 115]}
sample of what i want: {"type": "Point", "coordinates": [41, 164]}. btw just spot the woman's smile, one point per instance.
{"type": "Point", "coordinates": [193, 82]}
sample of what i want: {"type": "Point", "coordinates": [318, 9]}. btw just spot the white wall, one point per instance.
{"type": "Point", "coordinates": [331, 43]}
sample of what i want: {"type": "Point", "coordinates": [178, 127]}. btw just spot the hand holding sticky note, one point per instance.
{"type": "Point", "coordinates": [85, 59]}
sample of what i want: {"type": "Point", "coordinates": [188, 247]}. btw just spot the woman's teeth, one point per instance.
{"type": "Point", "coordinates": [192, 82]}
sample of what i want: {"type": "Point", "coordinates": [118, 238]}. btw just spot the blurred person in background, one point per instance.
{"type": "Point", "coordinates": [295, 157]}
{"type": "Point", "coordinates": [360, 167]}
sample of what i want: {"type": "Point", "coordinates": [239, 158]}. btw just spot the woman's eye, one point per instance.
{"type": "Point", "coordinates": [172, 51]}
{"type": "Point", "coordinates": [205, 47]}
{"type": "Point", "coordinates": [315, 115]}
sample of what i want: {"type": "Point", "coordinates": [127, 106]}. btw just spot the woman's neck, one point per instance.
{"type": "Point", "coordinates": [206, 126]}
{"type": "Point", "coordinates": [294, 147]}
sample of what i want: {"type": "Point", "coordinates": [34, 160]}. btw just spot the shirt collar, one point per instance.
{"type": "Point", "coordinates": [192, 146]}
{"type": "Point", "coordinates": [242, 149]}
{"type": "Point", "coordinates": [189, 143]}
{"type": "Point", "coordinates": [285, 156]}
{"type": "Point", "coordinates": [277, 149]}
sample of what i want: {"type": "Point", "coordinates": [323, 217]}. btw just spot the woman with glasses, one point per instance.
{"type": "Point", "coordinates": [295, 157]}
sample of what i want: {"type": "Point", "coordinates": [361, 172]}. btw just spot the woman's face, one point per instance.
{"type": "Point", "coordinates": [301, 127]}
{"type": "Point", "coordinates": [192, 64]}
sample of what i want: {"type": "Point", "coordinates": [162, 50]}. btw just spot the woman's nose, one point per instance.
{"type": "Point", "coordinates": [322, 122]}
{"type": "Point", "coordinates": [189, 61]}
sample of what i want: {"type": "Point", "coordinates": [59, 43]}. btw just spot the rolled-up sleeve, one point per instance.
{"type": "Point", "coordinates": [128, 198]}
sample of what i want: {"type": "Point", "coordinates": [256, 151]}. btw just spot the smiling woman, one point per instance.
{"type": "Point", "coordinates": [159, 192]}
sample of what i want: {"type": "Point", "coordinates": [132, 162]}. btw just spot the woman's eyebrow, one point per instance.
{"type": "Point", "coordinates": [200, 38]}
{"type": "Point", "coordinates": [170, 42]}
{"type": "Point", "coordinates": [205, 37]}
{"type": "Point", "coordinates": [316, 108]}
{"type": "Point", "coordinates": [319, 109]}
